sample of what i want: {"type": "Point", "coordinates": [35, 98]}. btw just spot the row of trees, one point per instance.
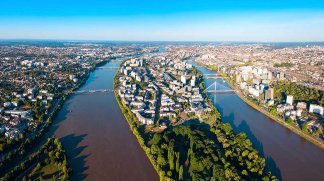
{"type": "Point", "coordinates": [284, 64]}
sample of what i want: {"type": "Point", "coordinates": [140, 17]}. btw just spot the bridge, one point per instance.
{"type": "Point", "coordinates": [93, 91]}
{"type": "Point", "coordinates": [215, 90]}
{"type": "Point", "coordinates": [115, 60]}
{"type": "Point", "coordinates": [221, 91]}
{"type": "Point", "coordinates": [107, 67]}
{"type": "Point", "coordinates": [212, 76]}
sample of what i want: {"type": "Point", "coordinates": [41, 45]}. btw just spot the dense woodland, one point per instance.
{"type": "Point", "coordinates": [300, 92]}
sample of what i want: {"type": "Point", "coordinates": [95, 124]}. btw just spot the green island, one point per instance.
{"type": "Point", "coordinates": [187, 146]}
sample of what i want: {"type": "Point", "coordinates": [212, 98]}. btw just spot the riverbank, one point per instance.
{"type": "Point", "coordinates": [309, 138]}
{"type": "Point", "coordinates": [297, 131]}
{"type": "Point", "coordinates": [128, 115]}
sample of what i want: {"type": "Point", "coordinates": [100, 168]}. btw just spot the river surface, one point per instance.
{"type": "Point", "coordinates": [288, 156]}
{"type": "Point", "coordinates": [97, 138]}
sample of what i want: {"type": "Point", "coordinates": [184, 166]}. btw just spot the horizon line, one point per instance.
{"type": "Point", "coordinates": [191, 41]}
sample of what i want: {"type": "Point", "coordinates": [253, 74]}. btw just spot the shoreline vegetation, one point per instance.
{"type": "Point", "coordinates": [195, 150]}
{"type": "Point", "coordinates": [51, 155]}
{"type": "Point", "coordinates": [20, 166]}
{"type": "Point", "coordinates": [279, 120]}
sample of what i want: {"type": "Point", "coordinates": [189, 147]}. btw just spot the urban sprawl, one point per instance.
{"type": "Point", "coordinates": [160, 88]}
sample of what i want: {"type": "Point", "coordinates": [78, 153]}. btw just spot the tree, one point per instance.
{"type": "Point", "coordinates": [304, 127]}
{"type": "Point", "coordinates": [171, 155]}
{"type": "Point", "coordinates": [289, 120]}
{"type": "Point", "coordinates": [177, 161]}
{"type": "Point", "coordinates": [181, 173]}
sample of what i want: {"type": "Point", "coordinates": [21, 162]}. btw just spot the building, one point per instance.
{"type": "Point", "coordinates": [183, 79]}
{"type": "Point", "coordinates": [313, 108]}
{"type": "Point", "coordinates": [282, 76]}
{"type": "Point", "coordinates": [254, 92]}
{"type": "Point", "coordinates": [290, 100]}
{"type": "Point", "coordinates": [167, 77]}
{"type": "Point", "coordinates": [238, 78]}
{"type": "Point", "coordinates": [301, 105]}
{"type": "Point", "coordinates": [270, 102]}
{"type": "Point", "coordinates": [269, 94]}
{"type": "Point", "coordinates": [193, 81]}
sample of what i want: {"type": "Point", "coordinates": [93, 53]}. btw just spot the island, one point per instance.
{"type": "Point", "coordinates": [168, 110]}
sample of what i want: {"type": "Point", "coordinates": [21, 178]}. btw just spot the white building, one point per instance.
{"type": "Point", "coordinates": [316, 109]}
{"type": "Point", "coordinates": [254, 92]}
{"type": "Point", "coordinates": [183, 79]}
{"type": "Point", "coordinates": [290, 100]}
{"type": "Point", "coordinates": [193, 81]}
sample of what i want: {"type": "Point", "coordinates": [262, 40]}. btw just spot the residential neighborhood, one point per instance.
{"type": "Point", "coordinates": [161, 91]}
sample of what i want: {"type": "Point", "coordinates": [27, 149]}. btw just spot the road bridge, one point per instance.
{"type": "Point", "coordinates": [212, 76]}
{"type": "Point", "coordinates": [107, 67]}
{"type": "Point", "coordinates": [93, 91]}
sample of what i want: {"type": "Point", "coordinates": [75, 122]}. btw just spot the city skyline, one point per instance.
{"type": "Point", "coordinates": [289, 21]}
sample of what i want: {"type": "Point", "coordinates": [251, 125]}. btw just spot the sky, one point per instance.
{"type": "Point", "coordinates": [164, 20]}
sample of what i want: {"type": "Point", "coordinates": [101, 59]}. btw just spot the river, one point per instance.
{"type": "Point", "coordinates": [288, 156]}
{"type": "Point", "coordinates": [97, 138]}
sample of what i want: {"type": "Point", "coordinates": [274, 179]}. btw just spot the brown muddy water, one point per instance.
{"type": "Point", "coordinates": [97, 138]}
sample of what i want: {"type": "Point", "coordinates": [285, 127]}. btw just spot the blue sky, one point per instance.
{"type": "Point", "coordinates": [167, 20]}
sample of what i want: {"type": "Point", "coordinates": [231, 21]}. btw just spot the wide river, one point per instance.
{"type": "Point", "coordinates": [97, 138]}
{"type": "Point", "coordinates": [100, 145]}
{"type": "Point", "coordinates": [288, 156]}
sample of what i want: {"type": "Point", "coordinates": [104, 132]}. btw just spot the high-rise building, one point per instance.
{"type": "Point", "coordinates": [193, 81]}
{"type": "Point", "coordinates": [183, 79]}
{"type": "Point", "coordinates": [290, 100]}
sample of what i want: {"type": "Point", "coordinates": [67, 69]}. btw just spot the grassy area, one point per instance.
{"type": "Point", "coordinates": [49, 162]}
{"type": "Point", "coordinates": [46, 172]}
{"type": "Point", "coordinates": [284, 64]}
